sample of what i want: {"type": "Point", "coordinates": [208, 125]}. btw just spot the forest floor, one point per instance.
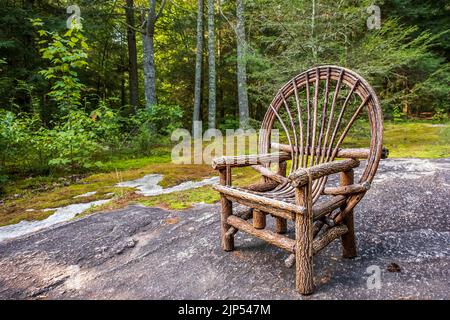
{"type": "Point", "coordinates": [37, 198]}
{"type": "Point", "coordinates": [150, 253]}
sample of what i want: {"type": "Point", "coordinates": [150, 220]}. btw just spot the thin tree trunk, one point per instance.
{"type": "Point", "coordinates": [198, 66]}
{"type": "Point", "coordinates": [122, 78]}
{"type": "Point", "coordinates": [220, 107]}
{"type": "Point", "coordinates": [149, 69]}
{"type": "Point", "coordinates": [132, 55]}
{"type": "Point", "coordinates": [313, 30]}
{"type": "Point", "coordinates": [148, 37]}
{"type": "Point", "coordinates": [212, 67]}
{"type": "Point", "coordinates": [241, 64]}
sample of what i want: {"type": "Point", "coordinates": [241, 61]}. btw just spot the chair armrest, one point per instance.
{"type": "Point", "coordinates": [300, 177]}
{"type": "Point", "coordinates": [249, 160]}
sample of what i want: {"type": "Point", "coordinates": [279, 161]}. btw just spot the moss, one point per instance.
{"type": "Point", "coordinates": [409, 140]}
{"type": "Point", "coordinates": [186, 199]}
{"type": "Point", "coordinates": [135, 163]}
{"type": "Point", "coordinates": [173, 174]}
{"type": "Point", "coordinates": [418, 140]}
{"type": "Point", "coordinates": [182, 200]}
{"type": "Point", "coordinates": [15, 209]}
{"type": "Point", "coordinates": [30, 215]}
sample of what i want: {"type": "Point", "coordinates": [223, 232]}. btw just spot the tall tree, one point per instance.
{"type": "Point", "coordinates": [220, 75]}
{"type": "Point", "coordinates": [313, 30]}
{"type": "Point", "coordinates": [148, 39]}
{"type": "Point", "coordinates": [241, 64]}
{"type": "Point", "coordinates": [132, 54]}
{"type": "Point", "coordinates": [212, 67]}
{"type": "Point", "coordinates": [198, 65]}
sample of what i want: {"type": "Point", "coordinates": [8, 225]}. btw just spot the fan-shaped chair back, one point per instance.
{"type": "Point", "coordinates": [315, 112]}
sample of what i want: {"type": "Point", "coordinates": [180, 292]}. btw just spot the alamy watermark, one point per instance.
{"type": "Point", "coordinates": [202, 148]}
{"type": "Point", "coordinates": [374, 278]}
{"type": "Point", "coordinates": [74, 21]}
{"type": "Point", "coordinates": [374, 21]}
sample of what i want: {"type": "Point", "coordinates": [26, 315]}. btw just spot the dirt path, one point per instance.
{"type": "Point", "coordinates": [150, 253]}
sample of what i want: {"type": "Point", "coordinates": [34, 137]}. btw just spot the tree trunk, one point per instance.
{"type": "Point", "coordinates": [148, 36]}
{"type": "Point", "coordinates": [241, 64]}
{"type": "Point", "coordinates": [132, 55]}
{"type": "Point", "coordinates": [122, 70]}
{"type": "Point", "coordinates": [149, 69]}
{"type": "Point", "coordinates": [198, 66]}
{"type": "Point", "coordinates": [212, 67]}
{"type": "Point", "coordinates": [220, 107]}
{"type": "Point", "coordinates": [313, 31]}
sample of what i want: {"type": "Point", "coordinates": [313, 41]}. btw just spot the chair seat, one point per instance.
{"type": "Point", "coordinates": [286, 194]}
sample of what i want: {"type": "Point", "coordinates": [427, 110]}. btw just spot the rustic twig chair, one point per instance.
{"type": "Point", "coordinates": [315, 112]}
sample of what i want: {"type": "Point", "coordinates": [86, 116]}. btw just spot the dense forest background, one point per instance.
{"type": "Point", "coordinates": [137, 69]}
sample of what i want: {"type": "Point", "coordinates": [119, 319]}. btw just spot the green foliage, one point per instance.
{"type": "Point", "coordinates": [79, 141]}
{"type": "Point", "coordinates": [74, 141]}
{"type": "Point", "coordinates": [66, 55]}
{"type": "Point", "coordinates": [153, 127]}
{"type": "Point", "coordinates": [162, 119]}
{"type": "Point", "coordinates": [20, 141]}
{"type": "Point", "coordinates": [440, 115]}
{"type": "Point", "coordinates": [398, 60]}
{"type": "Point", "coordinates": [229, 123]}
{"type": "Point", "coordinates": [397, 114]}
{"type": "Point", "coordinates": [234, 124]}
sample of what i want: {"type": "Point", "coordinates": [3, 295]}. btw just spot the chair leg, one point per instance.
{"type": "Point", "coordinates": [259, 219]}
{"type": "Point", "coordinates": [280, 225]}
{"type": "Point", "coordinates": [348, 240]}
{"type": "Point", "coordinates": [227, 241]}
{"type": "Point", "coordinates": [303, 248]}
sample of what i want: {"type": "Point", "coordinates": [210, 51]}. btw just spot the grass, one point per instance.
{"type": "Point", "coordinates": [412, 139]}
{"type": "Point", "coordinates": [418, 140]}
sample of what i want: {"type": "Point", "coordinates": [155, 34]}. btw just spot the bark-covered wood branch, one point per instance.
{"type": "Point", "coordinates": [301, 176]}
{"type": "Point", "coordinates": [278, 240]}
{"type": "Point", "coordinates": [248, 160]}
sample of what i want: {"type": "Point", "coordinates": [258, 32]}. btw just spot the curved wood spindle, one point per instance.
{"type": "Point", "coordinates": [332, 151]}
{"type": "Point", "coordinates": [332, 110]}
{"type": "Point", "coordinates": [285, 130]}
{"type": "Point", "coordinates": [314, 126]}
{"type": "Point", "coordinates": [308, 122]}
{"type": "Point", "coordinates": [326, 155]}
{"type": "Point", "coordinates": [338, 123]}
{"type": "Point", "coordinates": [324, 113]}
{"type": "Point", "coordinates": [300, 122]}
{"type": "Point", "coordinates": [295, 158]}
{"type": "Point", "coordinates": [350, 123]}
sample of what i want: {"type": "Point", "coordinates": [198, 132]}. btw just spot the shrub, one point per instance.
{"type": "Point", "coordinates": [397, 114]}
{"type": "Point", "coordinates": [21, 140]}
{"type": "Point", "coordinates": [162, 119]}
{"type": "Point", "coordinates": [153, 127]}
{"type": "Point", "coordinates": [66, 54]}
{"type": "Point", "coordinates": [440, 115]}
